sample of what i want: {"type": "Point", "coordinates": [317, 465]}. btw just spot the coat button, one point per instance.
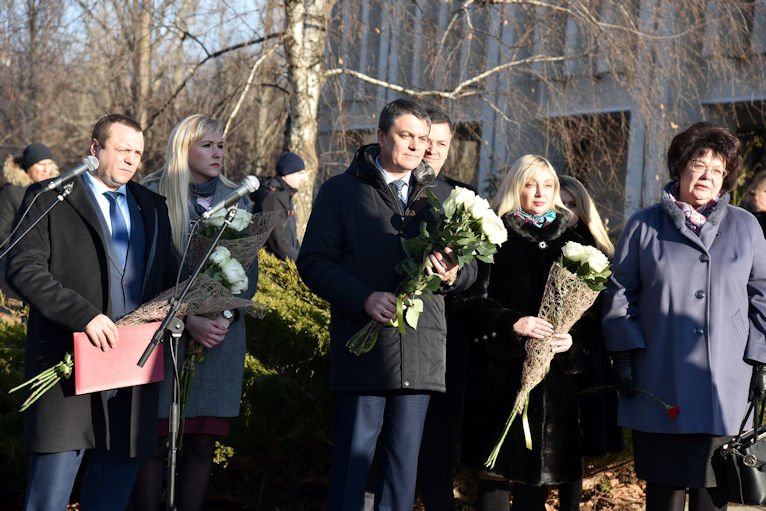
{"type": "Point", "coordinates": [704, 258]}
{"type": "Point", "coordinates": [698, 331]}
{"type": "Point", "coordinates": [406, 384]}
{"type": "Point", "coordinates": [699, 294]}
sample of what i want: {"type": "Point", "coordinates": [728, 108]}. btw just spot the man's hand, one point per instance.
{"type": "Point", "coordinates": [207, 332]}
{"type": "Point", "coordinates": [102, 332]}
{"type": "Point", "coordinates": [444, 265]}
{"type": "Point", "coordinates": [381, 306]}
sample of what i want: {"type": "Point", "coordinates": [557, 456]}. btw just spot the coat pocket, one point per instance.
{"type": "Point", "coordinates": [741, 327]}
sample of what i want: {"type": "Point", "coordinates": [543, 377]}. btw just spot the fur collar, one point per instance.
{"type": "Point", "coordinates": [15, 175]}
{"type": "Point", "coordinates": [529, 232]}
{"type": "Point", "coordinates": [677, 216]}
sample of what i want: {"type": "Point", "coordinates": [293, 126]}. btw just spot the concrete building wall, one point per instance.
{"type": "Point", "coordinates": [513, 109]}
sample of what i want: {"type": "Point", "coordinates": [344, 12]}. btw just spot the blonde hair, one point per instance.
{"type": "Point", "coordinates": [175, 174]}
{"type": "Point", "coordinates": [508, 196]}
{"type": "Point", "coordinates": [587, 213]}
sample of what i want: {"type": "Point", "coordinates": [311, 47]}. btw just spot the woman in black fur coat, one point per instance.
{"type": "Point", "coordinates": [537, 222]}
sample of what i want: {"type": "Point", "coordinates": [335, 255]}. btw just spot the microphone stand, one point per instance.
{"type": "Point", "coordinates": [59, 198]}
{"type": "Point", "coordinates": [171, 325]}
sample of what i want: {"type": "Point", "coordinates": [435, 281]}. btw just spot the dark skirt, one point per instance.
{"type": "Point", "coordinates": [684, 461]}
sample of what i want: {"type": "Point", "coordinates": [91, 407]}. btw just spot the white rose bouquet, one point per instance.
{"type": "Point", "coordinates": [468, 226]}
{"type": "Point", "coordinates": [572, 286]}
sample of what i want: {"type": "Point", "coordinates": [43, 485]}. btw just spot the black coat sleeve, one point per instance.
{"type": "Point", "coordinates": [8, 206]}
{"type": "Point", "coordinates": [319, 260]}
{"type": "Point", "coordinates": [28, 269]}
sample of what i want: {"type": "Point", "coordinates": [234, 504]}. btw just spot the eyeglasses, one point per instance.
{"type": "Point", "coordinates": [698, 168]}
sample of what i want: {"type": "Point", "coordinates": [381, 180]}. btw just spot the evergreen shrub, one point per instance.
{"type": "Point", "coordinates": [13, 467]}
{"type": "Point", "coordinates": [284, 429]}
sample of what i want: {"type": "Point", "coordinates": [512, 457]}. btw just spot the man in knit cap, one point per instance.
{"type": "Point", "coordinates": [276, 194]}
{"type": "Point", "coordinates": [35, 165]}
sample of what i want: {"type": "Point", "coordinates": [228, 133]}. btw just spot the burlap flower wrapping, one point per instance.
{"type": "Point", "coordinates": [565, 300]}
{"type": "Point", "coordinates": [243, 247]}
{"type": "Point", "coordinates": [566, 297]}
{"type": "Point", "coordinates": [207, 296]}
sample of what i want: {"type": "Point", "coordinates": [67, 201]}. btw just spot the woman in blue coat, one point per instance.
{"type": "Point", "coordinates": [685, 316]}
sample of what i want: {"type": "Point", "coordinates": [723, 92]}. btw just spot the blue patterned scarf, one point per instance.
{"type": "Point", "coordinates": [536, 220]}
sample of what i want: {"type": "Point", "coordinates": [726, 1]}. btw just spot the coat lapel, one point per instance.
{"type": "Point", "coordinates": [83, 201]}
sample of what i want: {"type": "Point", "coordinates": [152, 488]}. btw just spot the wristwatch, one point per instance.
{"type": "Point", "coordinates": [227, 314]}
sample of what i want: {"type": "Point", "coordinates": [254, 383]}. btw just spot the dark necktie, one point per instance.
{"type": "Point", "coordinates": [120, 235]}
{"type": "Point", "coordinates": [397, 186]}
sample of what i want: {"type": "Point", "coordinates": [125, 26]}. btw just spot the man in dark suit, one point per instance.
{"type": "Point", "coordinates": [352, 245]}
{"type": "Point", "coordinates": [101, 252]}
{"type": "Point", "coordinates": [440, 431]}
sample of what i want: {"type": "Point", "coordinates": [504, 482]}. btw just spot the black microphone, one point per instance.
{"type": "Point", "coordinates": [88, 164]}
{"type": "Point", "coordinates": [248, 186]}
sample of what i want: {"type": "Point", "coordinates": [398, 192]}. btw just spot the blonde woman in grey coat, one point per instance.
{"type": "Point", "coordinates": [685, 318]}
{"type": "Point", "coordinates": [192, 181]}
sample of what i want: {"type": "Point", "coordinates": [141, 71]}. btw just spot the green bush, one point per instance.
{"type": "Point", "coordinates": [13, 467]}
{"type": "Point", "coordinates": [283, 431]}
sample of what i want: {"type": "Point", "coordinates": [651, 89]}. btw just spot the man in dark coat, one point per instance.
{"type": "Point", "coordinates": [437, 449]}
{"type": "Point", "coordinates": [102, 252]}
{"type": "Point", "coordinates": [349, 255]}
{"type": "Point", "coordinates": [276, 194]}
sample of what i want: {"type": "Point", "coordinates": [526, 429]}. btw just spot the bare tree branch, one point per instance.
{"type": "Point", "coordinates": [199, 64]}
{"type": "Point", "coordinates": [462, 90]}
{"type": "Point", "coordinates": [245, 90]}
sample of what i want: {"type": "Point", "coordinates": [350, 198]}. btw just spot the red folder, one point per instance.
{"type": "Point", "coordinates": [96, 370]}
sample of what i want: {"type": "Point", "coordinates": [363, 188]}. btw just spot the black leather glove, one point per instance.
{"type": "Point", "coordinates": [622, 367]}
{"type": "Point", "coordinates": [758, 383]}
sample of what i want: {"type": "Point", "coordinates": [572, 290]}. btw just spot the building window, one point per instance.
{"type": "Point", "coordinates": [594, 149]}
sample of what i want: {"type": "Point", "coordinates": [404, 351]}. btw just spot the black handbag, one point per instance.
{"type": "Point", "coordinates": [744, 461]}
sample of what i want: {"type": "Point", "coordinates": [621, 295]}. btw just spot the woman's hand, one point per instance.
{"type": "Point", "coordinates": [534, 327]}
{"type": "Point", "coordinates": [207, 332]}
{"type": "Point", "coordinates": [560, 342]}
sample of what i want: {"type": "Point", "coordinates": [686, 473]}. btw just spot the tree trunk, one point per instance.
{"type": "Point", "coordinates": [305, 37]}
{"type": "Point", "coordinates": [142, 60]}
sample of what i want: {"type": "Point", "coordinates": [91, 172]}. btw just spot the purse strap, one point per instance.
{"type": "Point", "coordinates": [757, 412]}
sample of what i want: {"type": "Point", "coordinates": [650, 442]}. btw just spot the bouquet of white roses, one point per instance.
{"type": "Point", "coordinates": [572, 287]}
{"type": "Point", "coordinates": [468, 226]}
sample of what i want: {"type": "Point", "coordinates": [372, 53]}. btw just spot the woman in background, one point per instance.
{"type": "Point", "coordinates": [598, 409]}
{"type": "Point", "coordinates": [756, 198]}
{"type": "Point", "coordinates": [586, 220]}
{"type": "Point", "coordinates": [192, 182]}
